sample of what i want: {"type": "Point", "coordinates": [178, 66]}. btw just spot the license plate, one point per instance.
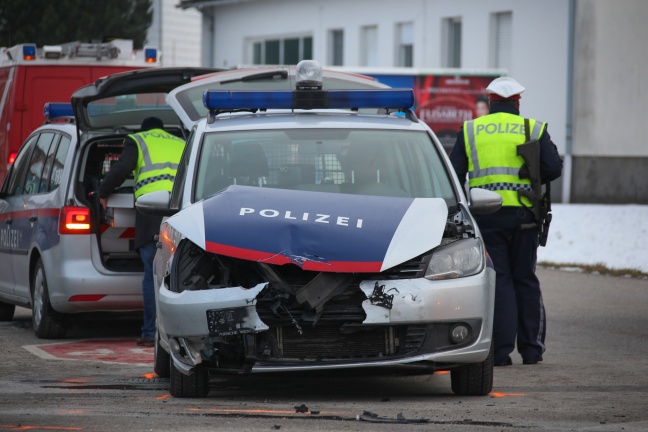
{"type": "Point", "coordinates": [225, 322]}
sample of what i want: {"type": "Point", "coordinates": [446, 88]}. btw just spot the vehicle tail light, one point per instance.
{"type": "Point", "coordinates": [12, 157]}
{"type": "Point", "coordinates": [75, 220]}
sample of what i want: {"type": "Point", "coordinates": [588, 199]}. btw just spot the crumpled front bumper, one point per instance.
{"type": "Point", "coordinates": [183, 316]}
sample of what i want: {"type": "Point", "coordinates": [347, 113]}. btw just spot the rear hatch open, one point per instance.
{"type": "Point", "coordinates": [106, 112]}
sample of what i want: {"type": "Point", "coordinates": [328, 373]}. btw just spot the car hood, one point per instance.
{"type": "Point", "coordinates": [317, 231]}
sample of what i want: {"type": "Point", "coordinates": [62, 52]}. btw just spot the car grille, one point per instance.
{"type": "Point", "coordinates": [332, 342]}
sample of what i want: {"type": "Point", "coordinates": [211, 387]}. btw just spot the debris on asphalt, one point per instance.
{"type": "Point", "coordinates": [400, 418]}
{"type": "Point", "coordinates": [301, 408]}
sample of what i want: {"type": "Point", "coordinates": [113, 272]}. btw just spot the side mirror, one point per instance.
{"type": "Point", "coordinates": [483, 201]}
{"type": "Point", "coordinates": [155, 204]}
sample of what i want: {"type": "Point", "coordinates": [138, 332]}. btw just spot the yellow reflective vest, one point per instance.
{"type": "Point", "coordinates": [159, 153]}
{"type": "Point", "coordinates": [491, 146]}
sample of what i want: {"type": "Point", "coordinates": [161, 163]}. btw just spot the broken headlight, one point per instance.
{"type": "Point", "coordinates": [458, 259]}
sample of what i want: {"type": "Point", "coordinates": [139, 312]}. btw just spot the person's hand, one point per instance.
{"type": "Point", "coordinates": [102, 201]}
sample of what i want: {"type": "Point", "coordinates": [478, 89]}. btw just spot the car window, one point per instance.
{"type": "Point", "coordinates": [37, 163]}
{"type": "Point", "coordinates": [47, 167]}
{"type": "Point", "coordinates": [181, 174]}
{"type": "Point", "coordinates": [348, 161]}
{"type": "Point", "coordinates": [15, 180]}
{"type": "Point", "coordinates": [59, 162]}
{"type": "Point", "coordinates": [129, 110]}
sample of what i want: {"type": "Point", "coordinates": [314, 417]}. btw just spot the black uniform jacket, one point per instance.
{"type": "Point", "coordinates": [146, 227]}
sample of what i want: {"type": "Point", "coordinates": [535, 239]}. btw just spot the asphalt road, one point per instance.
{"type": "Point", "coordinates": [594, 378]}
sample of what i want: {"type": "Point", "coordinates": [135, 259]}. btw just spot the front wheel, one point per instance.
{"type": "Point", "coordinates": [195, 385]}
{"type": "Point", "coordinates": [161, 359]}
{"type": "Point", "coordinates": [6, 311]}
{"type": "Point", "coordinates": [48, 324]}
{"type": "Point", "coordinates": [474, 379]}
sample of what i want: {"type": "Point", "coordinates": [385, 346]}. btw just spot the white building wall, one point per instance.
{"type": "Point", "coordinates": [610, 83]}
{"type": "Point", "coordinates": [177, 33]}
{"type": "Point", "coordinates": [539, 43]}
{"type": "Point", "coordinates": [539, 50]}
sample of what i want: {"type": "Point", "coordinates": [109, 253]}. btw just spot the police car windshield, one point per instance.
{"type": "Point", "coordinates": [350, 161]}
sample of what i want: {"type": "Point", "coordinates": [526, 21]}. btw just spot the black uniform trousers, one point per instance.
{"type": "Point", "coordinates": [519, 310]}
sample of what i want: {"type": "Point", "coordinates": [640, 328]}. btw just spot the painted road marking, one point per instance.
{"type": "Point", "coordinates": [105, 351]}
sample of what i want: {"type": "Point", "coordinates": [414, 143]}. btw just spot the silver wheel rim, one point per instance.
{"type": "Point", "coordinates": [38, 297]}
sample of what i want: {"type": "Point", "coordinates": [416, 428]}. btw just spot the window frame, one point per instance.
{"type": "Point", "coordinates": [369, 45]}
{"type": "Point", "coordinates": [336, 47]}
{"type": "Point", "coordinates": [405, 44]}
{"type": "Point", "coordinates": [451, 49]}
{"type": "Point", "coordinates": [501, 47]}
{"type": "Point", "coordinates": [259, 49]}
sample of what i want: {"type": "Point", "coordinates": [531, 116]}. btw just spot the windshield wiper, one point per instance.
{"type": "Point", "coordinates": [281, 74]}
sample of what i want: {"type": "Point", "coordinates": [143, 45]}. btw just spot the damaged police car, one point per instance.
{"type": "Point", "coordinates": [317, 229]}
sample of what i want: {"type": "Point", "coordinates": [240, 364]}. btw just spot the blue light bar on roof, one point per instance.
{"type": "Point", "coordinates": [53, 110]}
{"type": "Point", "coordinates": [232, 100]}
{"type": "Point", "coordinates": [391, 99]}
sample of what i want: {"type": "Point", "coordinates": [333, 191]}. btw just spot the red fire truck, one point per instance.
{"type": "Point", "coordinates": [30, 76]}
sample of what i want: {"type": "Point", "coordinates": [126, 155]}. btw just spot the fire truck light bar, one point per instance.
{"type": "Point", "coordinates": [150, 55]}
{"type": "Point", "coordinates": [29, 52]}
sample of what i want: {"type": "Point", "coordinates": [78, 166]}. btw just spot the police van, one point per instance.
{"type": "Point", "coordinates": [60, 254]}
{"type": "Point", "coordinates": [30, 76]}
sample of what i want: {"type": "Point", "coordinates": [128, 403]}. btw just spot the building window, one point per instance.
{"type": "Point", "coordinates": [500, 52]}
{"type": "Point", "coordinates": [288, 51]}
{"type": "Point", "coordinates": [291, 51]}
{"type": "Point", "coordinates": [451, 49]}
{"type": "Point", "coordinates": [257, 53]}
{"type": "Point", "coordinates": [405, 51]}
{"type": "Point", "coordinates": [306, 47]}
{"type": "Point", "coordinates": [369, 47]}
{"type": "Point", "coordinates": [272, 54]}
{"type": "Point", "coordinates": [336, 47]}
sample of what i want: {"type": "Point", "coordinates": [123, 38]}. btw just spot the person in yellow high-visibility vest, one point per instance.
{"type": "Point", "coordinates": [152, 157]}
{"type": "Point", "coordinates": [486, 151]}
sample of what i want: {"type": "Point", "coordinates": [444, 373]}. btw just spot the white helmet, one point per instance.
{"type": "Point", "coordinates": [505, 88]}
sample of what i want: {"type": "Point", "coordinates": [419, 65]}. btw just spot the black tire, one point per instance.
{"type": "Point", "coordinates": [195, 385]}
{"type": "Point", "coordinates": [474, 379]}
{"type": "Point", "coordinates": [161, 360]}
{"type": "Point", "coordinates": [48, 324]}
{"type": "Point", "coordinates": [6, 311]}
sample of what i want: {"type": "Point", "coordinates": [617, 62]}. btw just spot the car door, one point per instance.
{"type": "Point", "coordinates": [38, 219]}
{"type": "Point", "coordinates": [11, 203]}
